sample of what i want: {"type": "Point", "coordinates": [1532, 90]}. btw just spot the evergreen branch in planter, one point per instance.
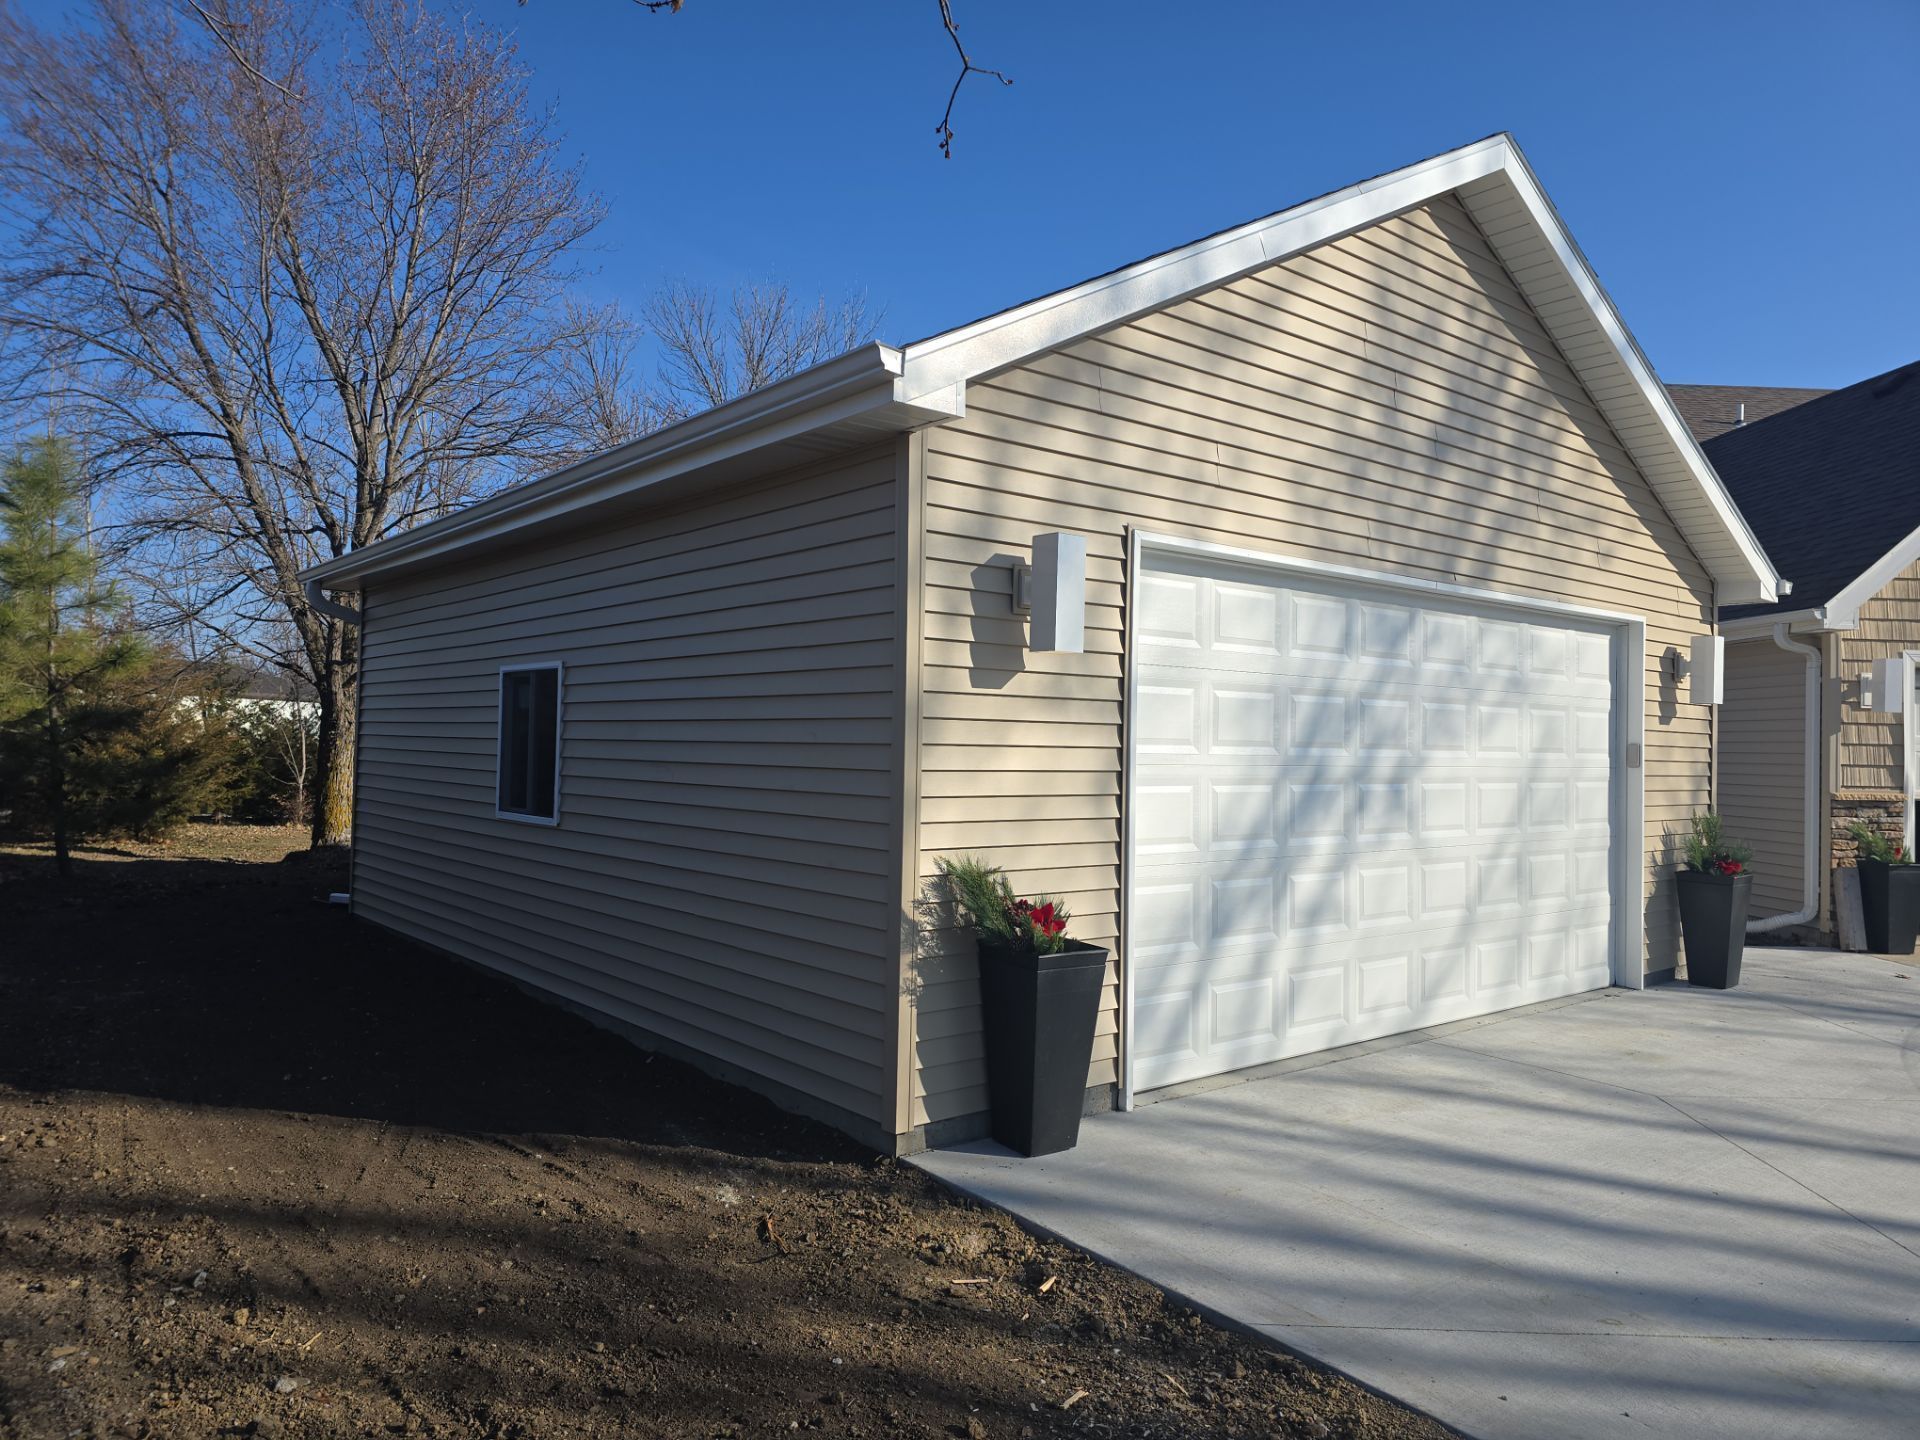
{"type": "Point", "coordinates": [1875, 846]}
{"type": "Point", "coordinates": [1709, 850]}
{"type": "Point", "coordinates": [986, 900]}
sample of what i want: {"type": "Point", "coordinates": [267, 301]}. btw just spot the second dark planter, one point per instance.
{"type": "Point", "coordinates": [1890, 906]}
{"type": "Point", "coordinates": [1038, 1014]}
{"type": "Point", "coordinates": [1713, 923]}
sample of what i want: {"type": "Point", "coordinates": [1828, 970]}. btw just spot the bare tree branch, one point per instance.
{"type": "Point", "coordinates": [302, 275]}
{"type": "Point", "coordinates": [945, 128]}
{"type": "Point", "coordinates": [715, 349]}
{"type": "Point", "coordinates": [214, 27]}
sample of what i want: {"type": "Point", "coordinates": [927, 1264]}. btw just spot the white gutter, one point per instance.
{"type": "Point", "coordinates": [1760, 627]}
{"type": "Point", "coordinates": [862, 386]}
{"type": "Point", "coordinates": [1810, 802]}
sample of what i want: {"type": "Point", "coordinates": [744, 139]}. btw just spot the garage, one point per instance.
{"type": "Point", "coordinates": [1346, 703]}
{"type": "Point", "coordinates": [1363, 805]}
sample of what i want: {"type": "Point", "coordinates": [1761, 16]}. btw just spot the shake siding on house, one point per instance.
{"type": "Point", "coordinates": [721, 876]}
{"type": "Point", "coordinates": [1387, 401]}
{"type": "Point", "coordinates": [1763, 769]}
{"type": "Point", "coordinates": [1870, 740]}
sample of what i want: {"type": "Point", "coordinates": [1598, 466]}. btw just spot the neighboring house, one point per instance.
{"type": "Point", "coordinates": [1392, 536]}
{"type": "Point", "coordinates": [1832, 488]}
{"type": "Point", "coordinates": [248, 691]}
{"type": "Point", "coordinates": [1712, 410]}
{"type": "Point", "coordinates": [284, 697]}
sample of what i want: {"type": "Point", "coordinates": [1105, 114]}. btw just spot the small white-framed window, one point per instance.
{"type": "Point", "coordinates": [527, 784]}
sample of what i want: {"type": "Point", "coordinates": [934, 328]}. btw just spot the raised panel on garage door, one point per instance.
{"type": "Point", "coordinates": [1357, 810]}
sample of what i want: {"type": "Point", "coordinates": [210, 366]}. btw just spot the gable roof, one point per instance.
{"type": "Point", "coordinates": [1712, 410]}
{"type": "Point", "coordinates": [1832, 487]}
{"type": "Point", "coordinates": [877, 389]}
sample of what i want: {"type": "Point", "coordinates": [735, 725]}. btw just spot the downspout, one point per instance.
{"type": "Point", "coordinates": [1810, 804]}
{"type": "Point", "coordinates": [333, 608]}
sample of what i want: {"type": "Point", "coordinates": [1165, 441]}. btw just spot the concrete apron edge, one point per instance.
{"type": "Point", "coordinates": [1220, 1319]}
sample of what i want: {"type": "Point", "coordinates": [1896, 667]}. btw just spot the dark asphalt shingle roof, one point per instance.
{"type": "Point", "coordinates": [1712, 410]}
{"type": "Point", "coordinates": [1830, 485]}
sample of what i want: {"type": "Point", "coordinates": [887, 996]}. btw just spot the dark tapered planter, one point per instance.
{"type": "Point", "coordinates": [1890, 905]}
{"type": "Point", "coordinates": [1713, 922]}
{"type": "Point", "coordinates": [1038, 1013]}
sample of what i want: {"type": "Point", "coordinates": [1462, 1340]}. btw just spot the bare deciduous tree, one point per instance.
{"type": "Point", "coordinates": [304, 272]}
{"type": "Point", "coordinates": [715, 348]}
{"type": "Point", "coordinates": [610, 400]}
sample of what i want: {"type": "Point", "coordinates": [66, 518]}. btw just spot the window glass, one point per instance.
{"type": "Point", "coordinates": [529, 741]}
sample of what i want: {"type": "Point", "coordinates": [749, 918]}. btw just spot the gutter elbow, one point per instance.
{"type": "Point", "coordinates": [346, 614]}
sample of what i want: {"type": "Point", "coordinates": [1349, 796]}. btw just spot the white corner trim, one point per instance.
{"type": "Point", "coordinates": [1129, 662]}
{"type": "Point", "coordinates": [559, 667]}
{"type": "Point", "coordinates": [1910, 744]}
{"type": "Point", "coordinates": [1629, 958]}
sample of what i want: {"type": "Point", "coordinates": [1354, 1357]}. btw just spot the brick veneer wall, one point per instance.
{"type": "Point", "coordinates": [1883, 812]}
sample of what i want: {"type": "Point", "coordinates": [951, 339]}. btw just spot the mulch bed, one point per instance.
{"type": "Point", "coordinates": [265, 1172]}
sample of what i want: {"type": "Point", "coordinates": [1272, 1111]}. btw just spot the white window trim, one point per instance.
{"type": "Point", "coordinates": [559, 668]}
{"type": "Point", "coordinates": [1627, 965]}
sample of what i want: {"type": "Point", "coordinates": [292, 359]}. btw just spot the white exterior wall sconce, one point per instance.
{"type": "Point", "coordinates": [1052, 591]}
{"type": "Point", "coordinates": [1707, 672]}
{"type": "Point", "coordinates": [1884, 689]}
{"type": "Point", "coordinates": [1703, 667]}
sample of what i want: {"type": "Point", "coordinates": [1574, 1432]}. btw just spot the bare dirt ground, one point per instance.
{"type": "Point", "coordinates": [265, 1172]}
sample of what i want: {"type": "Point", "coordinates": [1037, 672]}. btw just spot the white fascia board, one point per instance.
{"type": "Point", "coordinates": [1007, 338]}
{"type": "Point", "coordinates": [859, 383]}
{"type": "Point", "coordinates": [1012, 336]}
{"type": "Point", "coordinates": [1871, 581]}
{"type": "Point", "coordinates": [1800, 622]}
{"type": "Point", "coordinates": [1758, 582]}
{"type": "Point", "coordinates": [1842, 612]}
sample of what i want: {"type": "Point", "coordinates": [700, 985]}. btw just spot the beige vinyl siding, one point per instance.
{"type": "Point", "coordinates": [1386, 401]}
{"type": "Point", "coordinates": [1871, 740]}
{"type": "Point", "coordinates": [1762, 795]}
{"type": "Point", "coordinates": [721, 876]}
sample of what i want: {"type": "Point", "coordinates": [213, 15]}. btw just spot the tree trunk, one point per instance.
{"type": "Point", "coordinates": [57, 794]}
{"type": "Point", "coordinates": [333, 781]}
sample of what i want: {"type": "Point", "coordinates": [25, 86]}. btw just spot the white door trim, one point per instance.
{"type": "Point", "coordinates": [1628, 963]}
{"type": "Point", "coordinates": [1909, 751]}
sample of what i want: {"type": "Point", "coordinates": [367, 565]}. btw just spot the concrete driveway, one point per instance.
{"type": "Point", "coordinates": [1678, 1212]}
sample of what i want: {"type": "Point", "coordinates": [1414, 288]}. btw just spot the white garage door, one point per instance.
{"type": "Point", "coordinates": [1357, 811]}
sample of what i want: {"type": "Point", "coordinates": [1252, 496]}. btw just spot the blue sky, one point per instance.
{"type": "Point", "coordinates": [1743, 176]}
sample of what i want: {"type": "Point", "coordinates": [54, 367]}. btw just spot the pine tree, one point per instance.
{"type": "Point", "coordinates": [58, 654]}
